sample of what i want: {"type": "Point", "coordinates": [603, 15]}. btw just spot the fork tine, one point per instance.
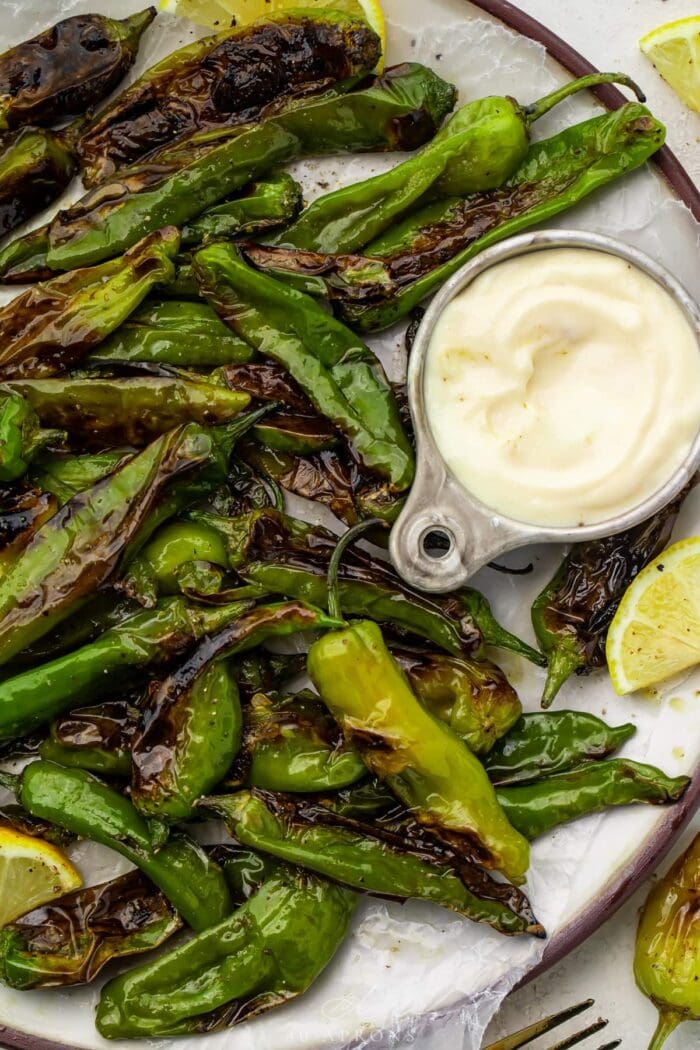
{"type": "Point", "coordinates": [522, 1038]}
{"type": "Point", "coordinates": [578, 1037]}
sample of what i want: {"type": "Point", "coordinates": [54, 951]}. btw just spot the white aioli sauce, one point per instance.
{"type": "Point", "coordinates": [562, 387]}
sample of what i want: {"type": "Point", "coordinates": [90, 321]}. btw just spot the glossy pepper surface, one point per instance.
{"type": "Point", "coordinates": [82, 804]}
{"type": "Point", "coordinates": [51, 326]}
{"type": "Point", "coordinates": [232, 78]}
{"type": "Point", "coordinates": [23, 260]}
{"type": "Point", "coordinates": [176, 758]}
{"type": "Point", "coordinates": [572, 615]}
{"type": "Point", "coordinates": [21, 437]}
{"type": "Point", "coordinates": [69, 941]}
{"type": "Point", "coordinates": [271, 202]}
{"type": "Point", "coordinates": [36, 165]}
{"type": "Point", "coordinates": [64, 476]}
{"type": "Point", "coordinates": [402, 109]}
{"type": "Point", "coordinates": [305, 835]}
{"type": "Point", "coordinates": [246, 965]}
{"type": "Point", "coordinates": [538, 807]}
{"type": "Point", "coordinates": [126, 411]}
{"type": "Point", "coordinates": [94, 738]}
{"type": "Point", "coordinates": [68, 68]}
{"type": "Point", "coordinates": [479, 148]}
{"type": "Point", "coordinates": [541, 745]}
{"type": "Point", "coordinates": [339, 374]}
{"type": "Point", "coordinates": [667, 957]}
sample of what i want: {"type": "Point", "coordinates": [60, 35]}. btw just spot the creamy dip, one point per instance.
{"type": "Point", "coordinates": [563, 386]}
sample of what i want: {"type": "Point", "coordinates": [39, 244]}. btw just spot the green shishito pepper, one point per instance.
{"type": "Point", "coordinates": [268, 952]}
{"type": "Point", "coordinates": [667, 956]}
{"type": "Point", "coordinates": [21, 437]}
{"type": "Point", "coordinates": [304, 836]}
{"type": "Point", "coordinates": [36, 165]}
{"type": "Point", "coordinates": [339, 374]}
{"type": "Point", "coordinates": [69, 941]}
{"type": "Point", "coordinates": [421, 759]}
{"type": "Point", "coordinates": [536, 808]}
{"type": "Point", "coordinates": [414, 258]}
{"type": "Point", "coordinates": [23, 260]}
{"type": "Point", "coordinates": [401, 109]}
{"type": "Point", "coordinates": [176, 759]}
{"type": "Point", "coordinates": [126, 411]}
{"type": "Point", "coordinates": [94, 738]}
{"type": "Point", "coordinates": [49, 327]}
{"type": "Point", "coordinates": [480, 147]}
{"type": "Point", "coordinates": [541, 745]}
{"type": "Point", "coordinates": [64, 476]}
{"type": "Point", "coordinates": [82, 804]}
{"type": "Point", "coordinates": [271, 202]}
{"type": "Point", "coordinates": [174, 332]}
{"type": "Point", "coordinates": [572, 614]}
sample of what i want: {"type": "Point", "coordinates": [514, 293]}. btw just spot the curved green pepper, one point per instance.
{"type": "Point", "coordinates": [667, 957]}
{"type": "Point", "coordinates": [23, 260]}
{"type": "Point", "coordinates": [114, 763]}
{"type": "Point", "coordinates": [64, 476]}
{"type": "Point", "coordinates": [36, 165]}
{"type": "Point", "coordinates": [79, 802]}
{"type": "Point", "coordinates": [273, 202]}
{"type": "Point", "coordinates": [21, 438]}
{"type": "Point", "coordinates": [246, 965]}
{"type": "Point", "coordinates": [178, 543]}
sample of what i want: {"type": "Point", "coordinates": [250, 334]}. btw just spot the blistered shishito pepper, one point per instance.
{"type": "Point", "coordinates": [181, 542]}
{"type": "Point", "coordinates": [248, 964]}
{"type": "Point", "coordinates": [544, 804]}
{"type": "Point", "coordinates": [424, 763]}
{"type": "Point", "coordinates": [64, 476]}
{"type": "Point", "coordinates": [400, 110]}
{"type": "Point", "coordinates": [79, 802]}
{"type": "Point", "coordinates": [307, 836]}
{"type": "Point", "coordinates": [541, 745]}
{"type": "Point", "coordinates": [68, 68]}
{"type": "Point", "coordinates": [341, 376]}
{"type": "Point", "coordinates": [572, 614]}
{"type": "Point", "coordinates": [473, 697]}
{"type": "Point", "coordinates": [36, 165]}
{"type": "Point", "coordinates": [232, 78]}
{"type": "Point", "coordinates": [291, 743]}
{"type": "Point", "coordinates": [176, 757]}
{"type": "Point", "coordinates": [21, 437]}
{"type": "Point", "coordinates": [23, 260]}
{"type": "Point", "coordinates": [69, 941]}
{"type": "Point", "coordinates": [145, 639]}
{"type": "Point", "coordinates": [126, 411]}
{"type": "Point", "coordinates": [414, 258]}
{"type": "Point", "coordinates": [173, 332]}
{"type": "Point", "coordinates": [667, 958]}
{"type": "Point", "coordinates": [478, 149]}
{"type": "Point", "coordinates": [272, 202]}
{"type": "Point", "coordinates": [51, 326]}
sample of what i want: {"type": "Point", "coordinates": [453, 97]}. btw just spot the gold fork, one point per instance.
{"type": "Point", "coordinates": [528, 1035]}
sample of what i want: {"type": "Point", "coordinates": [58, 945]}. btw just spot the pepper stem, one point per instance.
{"type": "Point", "coordinates": [668, 1022]}
{"type": "Point", "coordinates": [334, 605]}
{"type": "Point", "coordinates": [562, 664]}
{"type": "Point", "coordinates": [538, 109]}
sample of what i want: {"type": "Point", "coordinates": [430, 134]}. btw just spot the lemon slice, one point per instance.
{"type": "Point", "coordinates": [675, 51]}
{"type": "Point", "coordinates": [218, 14]}
{"type": "Point", "coordinates": [32, 872]}
{"type": "Point", "coordinates": [656, 630]}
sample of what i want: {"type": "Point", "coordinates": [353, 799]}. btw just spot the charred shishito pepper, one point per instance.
{"type": "Point", "coordinates": [478, 149]}
{"type": "Point", "coordinates": [36, 165]}
{"type": "Point", "coordinates": [248, 964]}
{"type": "Point", "coordinates": [69, 941]}
{"type": "Point", "coordinates": [94, 738]}
{"type": "Point", "coordinates": [80, 803]}
{"type": "Point", "coordinates": [233, 78]}
{"type": "Point", "coordinates": [572, 615]}
{"type": "Point", "coordinates": [49, 327]}
{"type": "Point", "coordinates": [667, 959]}
{"type": "Point", "coordinates": [21, 437]}
{"type": "Point", "coordinates": [401, 109]}
{"type": "Point", "coordinates": [68, 68]}
{"type": "Point", "coordinates": [424, 763]}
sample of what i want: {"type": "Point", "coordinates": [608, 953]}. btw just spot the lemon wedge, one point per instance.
{"type": "Point", "coordinates": [674, 50]}
{"type": "Point", "coordinates": [32, 872]}
{"type": "Point", "coordinates": [656, 630]}
{"type": "Point", "coordinates": [218, 14]}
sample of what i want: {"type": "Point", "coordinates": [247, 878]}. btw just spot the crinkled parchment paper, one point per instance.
{"type": "Point", "coordinates": [409, 970]}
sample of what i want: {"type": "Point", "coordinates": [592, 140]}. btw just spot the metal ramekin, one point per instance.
{"type": "Point", "coordinates": [472, 533]}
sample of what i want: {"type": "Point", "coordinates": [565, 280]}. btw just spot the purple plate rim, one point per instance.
{"type": "Point", "coordinates": [653, 850]}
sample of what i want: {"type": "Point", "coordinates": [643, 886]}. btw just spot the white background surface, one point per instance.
{"type": "Point", "coordinates": [606, 32]}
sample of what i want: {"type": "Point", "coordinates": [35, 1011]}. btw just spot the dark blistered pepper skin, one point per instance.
{"type": "Point", "coordinates": [402, 109]}
{"type": "Point", "coordinates": [536, 808]}
{"type": "Point", "coordinates": [82, 804]}
{"type": "Point", "coordinates": [68, 68]}
{"type": "Point", "coordinates": [51, 326]}
{"type": "Point", "coordinates": [69, 941]}
{"type": "Point", "coordinates": [36, 165]}
{"type": "Point", "coordinates": [544, 744]}
{"type": "Point", "coordinates": [235, 77]}
{"type": "Point", "coordinates": [248, 964]}
{"type": "Point", "coordinates": [572, 615]}
{"type": "Point", "coordinates": [357, 856]}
